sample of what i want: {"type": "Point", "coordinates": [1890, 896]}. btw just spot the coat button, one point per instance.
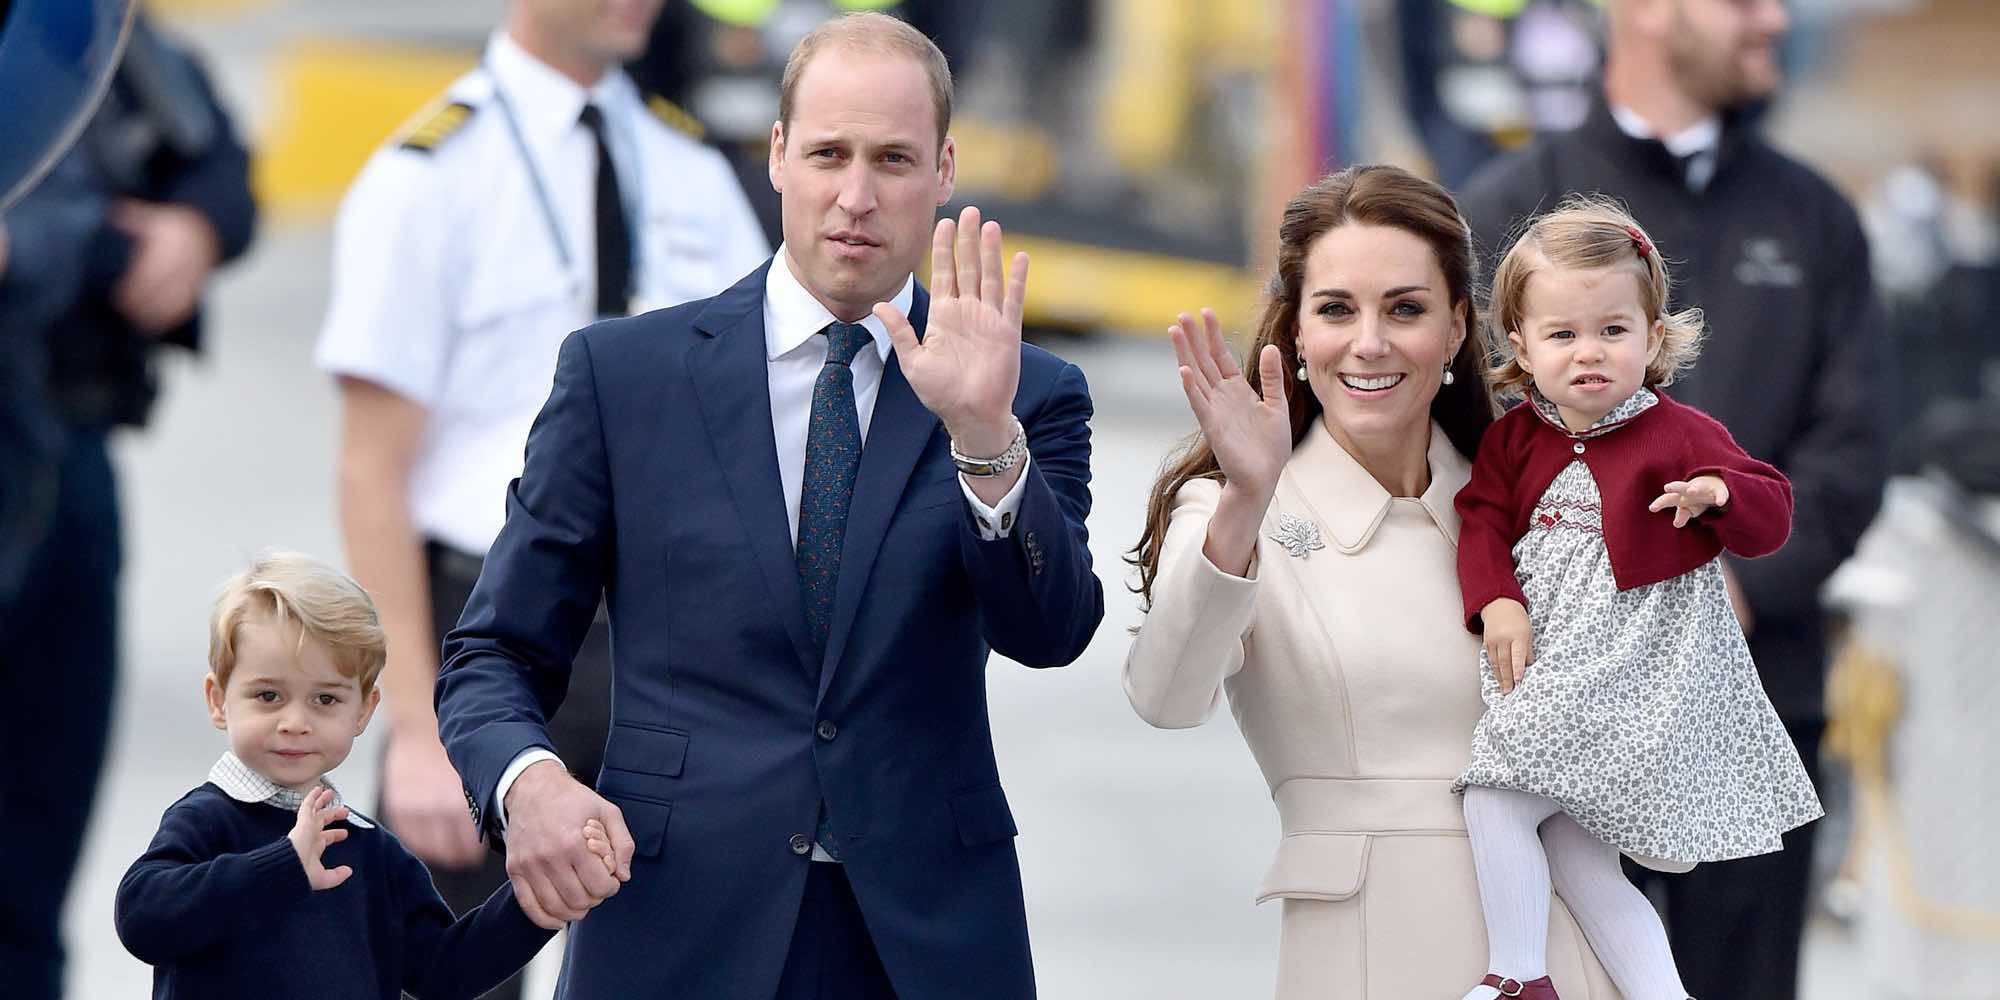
{"type": "Point", "coordinates": [827, 731]}
{"type": "Point", "coordinates": [1577, 447]}
{"type": "Point", "coordinates": [801, 846]}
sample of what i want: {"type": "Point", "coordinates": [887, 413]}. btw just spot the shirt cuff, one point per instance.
{"type": "Point", "coordinates": [532, 755]}
{"type": "Point", "coordinates": [993, 523]}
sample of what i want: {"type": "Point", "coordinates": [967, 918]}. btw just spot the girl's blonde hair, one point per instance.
{"type": "Point", "coordinates": [1586, 232]}
{"type": "Point", "coordinates": [305, 599]}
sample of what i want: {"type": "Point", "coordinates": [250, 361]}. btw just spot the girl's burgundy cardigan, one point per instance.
{"type": "Point", "coordinates": [1523, 453]}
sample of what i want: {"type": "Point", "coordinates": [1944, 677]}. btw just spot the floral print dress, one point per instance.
{"type": "Point", "coordinates": [1641, 713]}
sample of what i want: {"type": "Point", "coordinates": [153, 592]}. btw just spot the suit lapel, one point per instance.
{"type": "Point", "coordinates": [897, 434]}
{"type": "Point", "coordinates": [733, 388]}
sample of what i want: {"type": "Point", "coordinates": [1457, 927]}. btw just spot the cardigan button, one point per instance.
{"type": "Point", "coordinates": [1577, 447]}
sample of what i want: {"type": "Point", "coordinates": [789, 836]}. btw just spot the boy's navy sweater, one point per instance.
{"type": "Point", "coordinates": [220, 907]}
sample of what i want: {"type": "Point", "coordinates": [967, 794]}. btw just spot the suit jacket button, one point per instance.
{"type": "Point", "coordinates": [801, 846]}
{"type": "Point", "coordinates": [827, 731]}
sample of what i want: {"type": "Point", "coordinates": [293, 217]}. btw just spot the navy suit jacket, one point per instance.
{"type": "Point", "coordinates": [652, 480]}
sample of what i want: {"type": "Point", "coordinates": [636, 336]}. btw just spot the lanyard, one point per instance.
{"type": "Point", "coordinates": [542, 197]}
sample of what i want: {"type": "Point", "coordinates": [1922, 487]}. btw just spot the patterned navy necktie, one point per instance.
{"type": "Point", "coordinates": [833, 454]}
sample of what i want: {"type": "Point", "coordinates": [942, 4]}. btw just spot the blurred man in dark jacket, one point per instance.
{"type": "Point", "coordinates": [1777, 259]}
{"type": "Point", "coordinates": [105, 262]}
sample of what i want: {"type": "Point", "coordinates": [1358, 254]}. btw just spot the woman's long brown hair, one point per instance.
{"type": "Point", "coordinates": [1364, 195]}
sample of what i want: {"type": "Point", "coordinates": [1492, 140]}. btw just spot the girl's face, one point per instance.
{"type": "Point", "coordinates": [1585, 340]}
{"type": "Point", "coordinates": [1376, 328]}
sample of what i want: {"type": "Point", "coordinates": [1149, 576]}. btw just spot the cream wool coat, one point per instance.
{"type": "Point", "coordinates": [1356, 685]}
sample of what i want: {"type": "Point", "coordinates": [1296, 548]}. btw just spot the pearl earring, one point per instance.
{"type": "Point", "coordinates": [1449, 378]}
{"type": "Point", "coordinates": [1302, 371]}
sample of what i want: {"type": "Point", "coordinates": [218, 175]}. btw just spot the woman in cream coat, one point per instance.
{"type": "Point", "coordinates": [1301, 556]}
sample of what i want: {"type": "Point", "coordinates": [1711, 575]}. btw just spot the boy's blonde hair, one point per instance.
{"type": "Point", "coordinates": [1586, 232]}
{"type": "Point", "coordinates": [302, 594]}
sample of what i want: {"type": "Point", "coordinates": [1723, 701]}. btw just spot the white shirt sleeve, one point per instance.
{"type": "Point", "coordinates": [389, 319]}
{"type": "Point", "coordinates": [995, 522]}
{"type": "Point", "coordinates": [532, 755]}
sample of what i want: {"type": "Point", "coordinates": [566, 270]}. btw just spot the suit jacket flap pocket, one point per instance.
{"type": "Point", "coordinates": [982, 815]}
{"type": "Point", "coordinates": [646, 819]}
{"type": "Point", "coordinates": [646, 751]}
{"type": "Point", "coordinates": [1326, 866]}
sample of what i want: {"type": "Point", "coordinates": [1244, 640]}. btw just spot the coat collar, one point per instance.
{"type": "Point", "coordinates": [1343, 497]}
{"type": "Point", "coordinates": [1736, 132]}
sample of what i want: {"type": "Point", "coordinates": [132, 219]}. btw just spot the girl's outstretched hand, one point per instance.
{"type": "Point", "coordinates": [1691, 498]}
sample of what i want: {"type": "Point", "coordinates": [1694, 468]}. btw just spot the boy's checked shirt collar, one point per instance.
{"type": "Point", "coordinates": [240, 782]}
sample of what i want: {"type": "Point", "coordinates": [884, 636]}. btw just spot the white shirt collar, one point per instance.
{"type": "Point", "coordinates": [793, 315]}
{"type": "Point", "coordinates": [242, 783]}
{"type": "Point", "coordinates": [1700, 137]}
{"type": "Point", "coordinates": [546, 102]}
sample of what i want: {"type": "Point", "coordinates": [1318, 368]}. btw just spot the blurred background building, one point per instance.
{"type": "Point", "coordinates": [1140, 149]}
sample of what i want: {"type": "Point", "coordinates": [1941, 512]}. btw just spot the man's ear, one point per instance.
{"type": "Point", "coordinates": [213, 693]}
{"type": "Point", "coordinates": [776, 164]}
{"type": "Point", "coordinates": [947, 170]}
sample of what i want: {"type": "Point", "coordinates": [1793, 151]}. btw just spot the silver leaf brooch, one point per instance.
{"type": "Point", "coordinates": [1298, 535]}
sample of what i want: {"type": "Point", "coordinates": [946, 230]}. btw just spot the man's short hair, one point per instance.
{"type": "Point", "coordinates": [305, 598]}
{"type": "Point", "coordinates": [874, 33]}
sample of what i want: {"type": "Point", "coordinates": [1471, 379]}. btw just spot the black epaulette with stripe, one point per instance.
{"type": "Point", "coordinates": [675, 117]}
{"type": "Point", "coordinates": [429, 130]}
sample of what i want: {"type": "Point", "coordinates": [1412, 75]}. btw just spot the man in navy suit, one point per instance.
{"type": "Point", "coordinates": [812, 504]}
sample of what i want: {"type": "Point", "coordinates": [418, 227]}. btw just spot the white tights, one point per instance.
{"type": "Point", "coordinates": [1516, 871]}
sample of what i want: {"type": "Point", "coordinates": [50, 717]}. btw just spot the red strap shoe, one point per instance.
{"type": "Point", "coordinates": [1533, 989]}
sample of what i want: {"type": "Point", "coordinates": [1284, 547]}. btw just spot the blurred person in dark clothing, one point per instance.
{"type": "Point", "coordinates": [1777, 258]}
{"type": "Point", "coordinates": [105, 262]}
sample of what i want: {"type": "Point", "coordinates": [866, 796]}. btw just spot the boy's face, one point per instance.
{"type": "Point", "coordinates": [289, 714]}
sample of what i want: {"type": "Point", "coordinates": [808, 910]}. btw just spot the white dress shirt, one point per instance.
{"type": "Point", "coordinates": [1696, 143]}
{"type": "Point", "coordinates": [793, 356]}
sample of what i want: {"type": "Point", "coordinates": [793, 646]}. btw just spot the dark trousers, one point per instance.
{"type": "Point", "coordinates": [58, 659]}
{"type": "Point", "coordinates": [832, 957]}
{"type": "Point", "coordinates": [1736, 926]}
{"type": "Point", "coordinates": [578, 729]}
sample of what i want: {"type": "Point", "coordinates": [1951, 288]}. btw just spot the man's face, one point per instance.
{"type": "Point", "coordinates": [607, 31]}
{"type": "Point", "coordinates": [1724, 53]}
{"type": "Point", "coordinates": [861, 174]}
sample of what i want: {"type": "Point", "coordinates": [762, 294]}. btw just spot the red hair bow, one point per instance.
{"type": "Point", "coordinates": [1639, 240]}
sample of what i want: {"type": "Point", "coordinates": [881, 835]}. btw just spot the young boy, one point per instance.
{"type": "Point", "coordinates": [261, 883]}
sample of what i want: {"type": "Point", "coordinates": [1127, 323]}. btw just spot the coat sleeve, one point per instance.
{"type": "Point", "coordinates": [1039, 601]}
{"type": "Point", "coordinates": [1838, 460]}
{"type": "Point", "coordinates": [1487, 526]}
{"type": "Point", "coordinates": [447, 959]}
{"type": "Point", "coordinates": [181, 897]}
{"type": "Point", "coordinates": [217, 182]}
{"type": "Point", "coordinates": [1759, 513]}
{"type": "Point", "coordinates": [1192, 638]}
{"type": "Point", "coordinates": [506, 666]}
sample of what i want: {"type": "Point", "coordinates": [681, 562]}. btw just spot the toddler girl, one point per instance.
{"type": "Point", "coordinates": [1623, 711]}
